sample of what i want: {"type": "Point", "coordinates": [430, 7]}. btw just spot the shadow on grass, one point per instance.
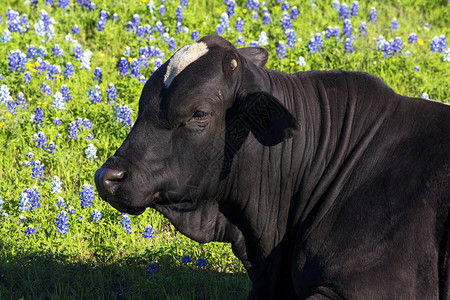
{"type": "Point", "coordinates": [36, 276]}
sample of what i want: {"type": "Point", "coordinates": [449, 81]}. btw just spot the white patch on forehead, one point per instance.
{"type": "Point", "coordinates": [182, 58]}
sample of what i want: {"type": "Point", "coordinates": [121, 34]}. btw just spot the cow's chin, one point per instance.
{"type": "Point", "coordinates": [124, 208]}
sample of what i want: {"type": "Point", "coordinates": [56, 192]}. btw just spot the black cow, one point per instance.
{"type": "Point", "coordinates": [327, 184]}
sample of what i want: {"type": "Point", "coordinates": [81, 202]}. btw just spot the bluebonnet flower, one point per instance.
{"type": "Point", "coordinates": [149, 232]}
{"type": "Point", "coordinates": [291, 37]}
{"type": "Point", "coordinates": [397, 45]}
{"type": "Point", "coordinates": [57, 51]}
{"type": "Point", "coordinates": [5, 95]}
{"type": "Point", "coordinates": [424, 96]}
{"type": "Point", "coordinates": [159, 28]}
{"type": "Point", "coordinates": [31, 51]}
{"type": "Point", "coordinates": [135, 68]}
{"type": "Point", "coordinates": [395, 24]}
{"type": "Point", "coordinates": [225, 21]}
{"type": "Point", "coordinates": [58, 101]}
{"type": "Point", "coordinates": [294, 13]}
{"type": "Point", "coordinates": [286, 22]}
{"type": "Point", "coordinates": [111, 93]}
{"type": "Point", "coordinates": [86, 60]}
{"type": "Point", "coordinates": [16, 61]}
{"type": "Point", "coordinates": [1, 203]}
{"type": "Point", "coordinates": [116, 17]}
{"type": "Point", "coordinates": [252, 5]}
{"type": "Point", "coordinates": [348, 45]}
{"type": "Point", "coordinates": [38, 116]}
{"type": "Point", "coordinates": [29, 199]}
{"type": "Point", "coordinates": [201, 262]}
{"type": "Point", "coordinates": [56, 185]}
{"type": "Point", "coordinates": [239, 25]}
{"type": "Point", "coordinates": [87, 195]}
{"type": "Point", "coordinates": [315, 44]}
{"type": "Point", "coordinates": [65, 92]}
{"type": "Point", "coordinates": [231, 5]}
{"type": "Point", "coordinates": [172, 44]}
{"type": "Point", "coordinates": [30, 230]}
{"type": "Point", "coordinates": [151, 6]}
{"type": "Point", "coordinates": [75, 29]}
{"type": "Point", "coordinates": [11, 106]}
{"type": "Point", "coordinates": [446, 56]}
{"type": "Point", "coordinates": [53, 71]}
{"type": "Point", "coordinates": [87, 4]}
{"type": "Point", "coordinates": [195, 36]}
{"type": "Point", "coordinates": [21, 101]}
{"type": "Point", "coordinates": [60, 202]}
{"type": "Point", "coordinates": [408, 53]}
{"type": "Point", "coordinates": [387, 49]}
{"type": "Point", "coordinates": [41, 52]}
{"type": "Point", "coordinates": [162, 10]}
{"type": "Point", "coordinates": [179, 13]}
{"type": "Point", "coordinates": [98, 74]}
{"type": "Point", "coordinates": [27, 77]}
{"type": "Point", "coordinates": [103, 18]}
{"type": "Point", "coordinates": [57, 121]}
{"type": "Point", "coordinates": [186, 259]}
{"type": "Point", "coordinates": [71, 210]}
{"type": "Point", "coordinates": [152, 268]}
{"type": "Point", "coordinates": [363, 28]}
{"type": "Point", "coordinates": [416, 68]}
{"type": "Point", "coordinates": [125, 223]}
{"type": "Point", "coordinates": [49, 2]}
{"type": "Point", "coordinates": [15, 22]}
{"type": "Point", "coordinates": [266, 19]}
{"type": "Point", "coordinates": [44, 27]}
{"type": "Point", "coordinates": [89, 137]}
{"type": "Point", "coordinates": [438, 44]}
{"type": "Point", "coordinates": [347, 29]}
{"type": "Point", "coordinates": [73, 130]}
{"type": "Point", "coordinates": [94, 95]}
{"type": "Point", "coordinates": [281, 50]}
{"type": "Point", "coordinates": [91, 152]}
{"type": "Point", "coordinates": [78, 51]}
{"type": "Point", "coordinates": [45, 88]}
{"type": "Point", "coordinates": [344, 12]}
{"type": "Point", "coordinates": [62, 222]}
{"type": "Point", "coordinates": [263, 39]}
{"type": "Point", "coordinates": [240, 40]}
{"type": "Point", "coordinates": [40, 139]}
{"type": "Point", "coordinates": [122, 114]}
{"type": "Point", "coordinates": [123, 66]}
{"type": "Point", "coordinates": [37, 170]}
{"type": "Point", "coordinates": [413, 38]}
{"type": "Point", "coordinates": [22, 218]}
{"type": "Point", "coordinates": [96, 215]}
{"type": "Point", "coordinates": [6, 37]}
{"type": "Point", "coordinates": [354, 9]}
{"type": "Point", "coordinates": [373, 15]}
{"type": "Point", "coordinates": [220, 30]}
{"type": "Point", "coordinates": [301, 61]}
{"type": "Point", "coordinates": [336, 5]}
{"type": "Point", "coordinates": [285, 6]}
{"type": "Point", "coordinates": [63, 4]}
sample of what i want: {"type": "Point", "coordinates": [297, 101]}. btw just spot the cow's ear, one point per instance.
{"type": "Point", "coordinates": [257, 55]}
{"type": "Point", "coordinates": [268, 119]}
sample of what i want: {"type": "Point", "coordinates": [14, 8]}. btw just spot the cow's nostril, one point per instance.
{"type": "Point", "coordinates": [107, 180]}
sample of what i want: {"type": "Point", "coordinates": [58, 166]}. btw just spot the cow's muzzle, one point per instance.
{"type": "Point", "coordinates": [107, 180]}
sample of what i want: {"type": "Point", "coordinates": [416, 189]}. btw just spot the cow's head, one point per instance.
{"type": "Point", "coordinates": [195, 114]}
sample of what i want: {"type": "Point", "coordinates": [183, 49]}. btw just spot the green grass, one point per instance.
{"type": "Point", "coordinates": [100, 260]}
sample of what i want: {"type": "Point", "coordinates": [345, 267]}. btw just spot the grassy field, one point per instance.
{"type": "Point", "coordinates": [58, 125]}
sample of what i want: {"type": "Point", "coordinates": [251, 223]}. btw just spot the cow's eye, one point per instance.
{"type": "Point", "coordinates": [201, 115]}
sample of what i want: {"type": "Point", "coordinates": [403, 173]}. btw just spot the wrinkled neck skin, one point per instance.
{"type": "Point", "coordinates": [277, 195]}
